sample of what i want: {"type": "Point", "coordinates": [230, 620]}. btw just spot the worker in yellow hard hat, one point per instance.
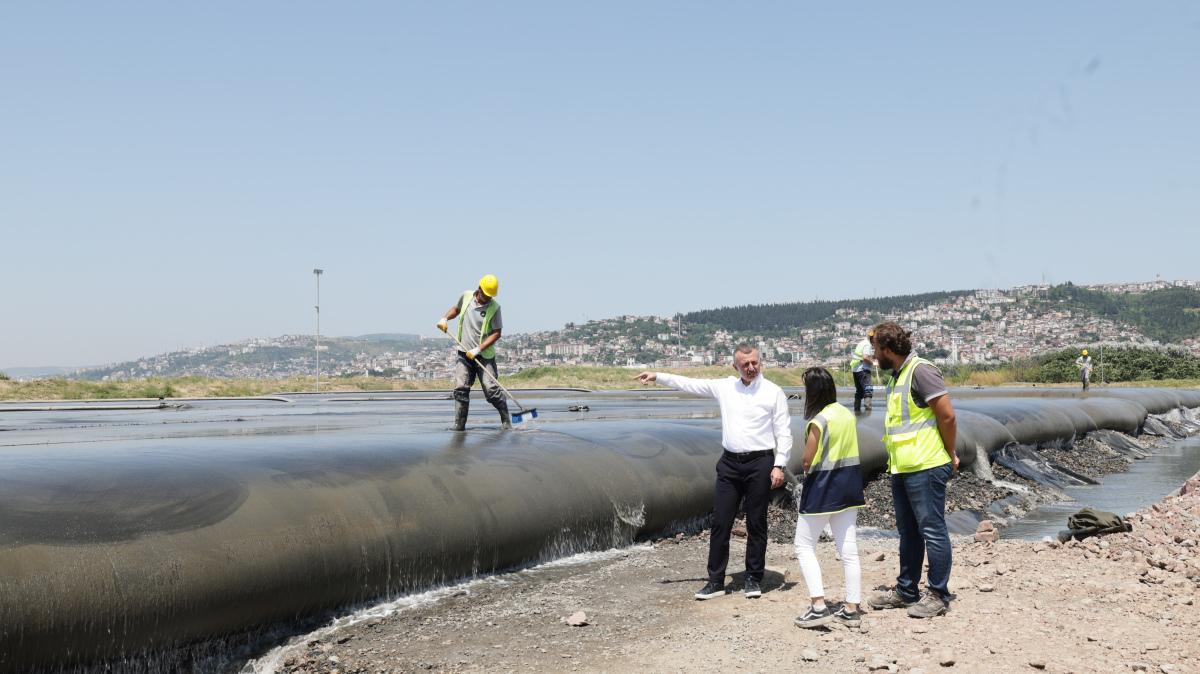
{"type": "Point", "coordinates": [479, 326]}
{"type": "Point", "coordinates": [1084, 363]}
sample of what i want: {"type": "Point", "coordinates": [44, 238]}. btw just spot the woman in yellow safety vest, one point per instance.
{"type": "Point", "coordinates": [832, 495]}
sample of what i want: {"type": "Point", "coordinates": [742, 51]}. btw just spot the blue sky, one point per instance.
{"type": "Point", "coordinates": [170, 173]}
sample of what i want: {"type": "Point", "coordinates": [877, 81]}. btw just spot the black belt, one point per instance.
{"type": "Point", "coordinates": [743, 457]}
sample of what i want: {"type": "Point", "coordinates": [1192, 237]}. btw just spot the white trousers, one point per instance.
{"type": "Point", "coordinates": [808, 531]}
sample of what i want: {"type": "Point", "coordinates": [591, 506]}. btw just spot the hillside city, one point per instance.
{"type": "Point", "coordinates": [979, 327]}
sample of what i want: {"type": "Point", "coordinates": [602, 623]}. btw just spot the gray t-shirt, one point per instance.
{"type": "Point", "coordinates": [927, 383]}
{"type": "Point", "coordinates": [473, 322]}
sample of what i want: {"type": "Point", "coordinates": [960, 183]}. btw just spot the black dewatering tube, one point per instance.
{"type": "Point", "coordinates": [116, 550]}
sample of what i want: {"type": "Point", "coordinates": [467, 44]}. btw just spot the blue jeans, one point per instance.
{"type": "Point", "coordinates": [920, 502]}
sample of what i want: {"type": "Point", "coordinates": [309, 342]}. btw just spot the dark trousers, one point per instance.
{"type": "Point", "coordinates": [737, 481]}
{"type": "Point", "coordinates": [920, 502]}
{"type": "Point", "coordinates": [862, 388]}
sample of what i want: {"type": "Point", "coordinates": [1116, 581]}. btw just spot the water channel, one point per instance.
{"type": "Point", "coordinates": [1146, 483]}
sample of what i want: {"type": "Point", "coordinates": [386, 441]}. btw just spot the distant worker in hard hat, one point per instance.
{"type": "Point", "coordinates": [1084, 363]}
{"type": "Point", "coordinates": [479, 326]}
{"type": "Point", "coordinates": [861, 364]}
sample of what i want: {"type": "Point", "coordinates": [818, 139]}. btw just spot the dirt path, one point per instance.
{"type": "Point", "coordinates": [1122, 603]}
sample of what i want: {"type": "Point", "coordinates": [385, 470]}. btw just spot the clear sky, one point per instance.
{"type": "Point", "coordinates": [171, 173]}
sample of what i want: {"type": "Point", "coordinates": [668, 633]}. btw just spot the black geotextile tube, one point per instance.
{"type": "Point", "coordinates": [116, 548]}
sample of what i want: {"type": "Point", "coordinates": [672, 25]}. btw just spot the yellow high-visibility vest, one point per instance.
{"type": "Point", "coordinates": [492, 307]}
{"type": "Point", "coordinates": [859, 351]}
{"type": "Point", "coordinates": [839, 438]}
{"type": "Point", "coordinates": [910, 432]}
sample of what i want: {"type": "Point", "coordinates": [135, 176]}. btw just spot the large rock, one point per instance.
{"type": "Point", "coordinates": [990, 536]}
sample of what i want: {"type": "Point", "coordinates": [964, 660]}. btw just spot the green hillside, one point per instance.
{"type": "Point", "coordinates": [777, 319]}
{"type": "Point", "coordinates": [1167, 315]}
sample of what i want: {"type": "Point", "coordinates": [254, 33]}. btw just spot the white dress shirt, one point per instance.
{"type": "Point", "coordinates": [753, 418]}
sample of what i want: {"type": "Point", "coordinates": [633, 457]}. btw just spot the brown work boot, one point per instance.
{"type": "Point", "coordinates": [931, 605]}
{"type": "Point", "coordinates": [888, 599]}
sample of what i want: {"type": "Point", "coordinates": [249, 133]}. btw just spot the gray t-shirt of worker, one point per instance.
{"type": "Point", "coordinates": [1084, 363]}
{"type": "Point", "coordinates": [473, 323]}
{"type": "Point", "coordinates": [927, 384]}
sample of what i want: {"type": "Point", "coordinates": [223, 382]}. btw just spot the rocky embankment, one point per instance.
{"type": "Point", "coordinates": [1164, 544]}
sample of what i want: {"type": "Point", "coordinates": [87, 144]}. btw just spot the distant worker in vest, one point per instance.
{"type": "Point", "coordinates": [479, 326]}
{"type": "Point", "coordinates": [756, 434]}
{"type": "Point", "coordinates": [861, 364]}
{"type": "Point", "coordinates": [832, 495]}
{"type": "Point", "coordinates": [1084, 363]}
{"type": "Point", "coordinates": [919, 433]}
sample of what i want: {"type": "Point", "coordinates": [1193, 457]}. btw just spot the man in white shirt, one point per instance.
{"type": "Point", "coordinates": [757, 436]}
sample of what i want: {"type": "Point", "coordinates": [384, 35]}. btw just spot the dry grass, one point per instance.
{"type": "Point", "coordinates": [989, 378]}
{"type": "Point", "coordinates": [609, 378]}
{"type": "Point", "coordinates": [197, 387]}
{"type": "Point", "coordinates": [596, 378]}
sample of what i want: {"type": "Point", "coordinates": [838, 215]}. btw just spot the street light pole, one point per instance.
{"type": "Point", "coordinates": [317, 273]}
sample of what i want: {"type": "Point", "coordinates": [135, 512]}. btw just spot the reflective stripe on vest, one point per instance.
{"type": "Point", "coordinates": [910, 432]}
{"type": "Point", "coordinates": [492, 307]}
{"type": "Point", "coordinates": [839, 438]}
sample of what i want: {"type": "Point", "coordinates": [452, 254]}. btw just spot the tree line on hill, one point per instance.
{"type": "Point", "coordinates": [784, 318]}
{"type": "Point", "coordinates": [1168, 315]}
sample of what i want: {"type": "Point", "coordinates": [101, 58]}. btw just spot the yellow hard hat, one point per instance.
{"type": "Point", "coordinates": [490, 285]}
{"type": "Point", "coordinates": [1084, 352]}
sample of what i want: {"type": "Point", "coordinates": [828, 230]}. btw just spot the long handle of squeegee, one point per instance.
{"type": "Point", "coordinates": [485, 371]}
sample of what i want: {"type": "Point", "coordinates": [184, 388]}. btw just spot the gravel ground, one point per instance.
{"type": "Point", "coordinates": [1121, 603]}
{"type": "Point", "coordinates": [1089, 458]}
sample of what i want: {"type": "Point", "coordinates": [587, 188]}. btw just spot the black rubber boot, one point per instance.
{"type": "Point", "coordinates": [505, 418]}
{"type": "Point", "coordinates": [460, 415]}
